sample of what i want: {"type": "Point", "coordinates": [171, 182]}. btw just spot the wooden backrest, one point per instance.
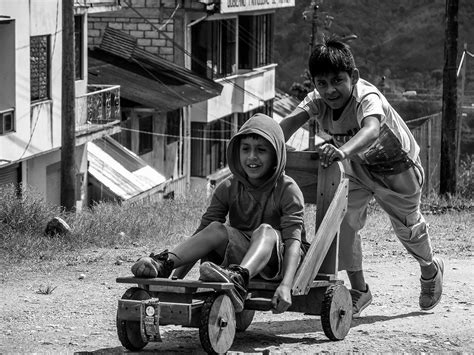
{"type": "Point", "coordinates": [317, 184]}
{"type": "Point", "coordinates": [328, 189]}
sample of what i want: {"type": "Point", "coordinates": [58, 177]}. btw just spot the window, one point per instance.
{"type": "Point", "coordinates": [213, 48]}
{"type": "Point", "coordinates": [7, 75]}
{"type": "Point", "coordinates": [39, 67]}
{"type": "Point", "coordinates": [255, 41]}
{"type": "Point", "coordinates": [174, 127]}
{"type": "Point", "coordinates": [124, 137]}
{"type": "Point", "coordinates": [209, 145]}
{"type": "Point", "coordinates": [145, 137]}
{"type": "Point", "coordinates": [267, 109]}
{"type": "Point", "coordinates": [173, 120]}
{"type": "Point", "coordinates": [78, 45]}
{"type": "Point", "coordinates": [7, 121]}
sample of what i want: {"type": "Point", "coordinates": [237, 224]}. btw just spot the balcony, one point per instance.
{"type": "Point", "coordinates": [97, 113]}
{"type": "Point", "coordinates": [242, 92]}
{"type": "Point", "coordinates": [96, 6]}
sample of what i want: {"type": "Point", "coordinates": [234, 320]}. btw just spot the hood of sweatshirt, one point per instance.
{"type": "Point", "coordinates": [269, 129]}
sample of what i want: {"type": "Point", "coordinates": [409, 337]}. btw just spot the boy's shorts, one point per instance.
{"type": "Point", "coordinates": [239, 243]}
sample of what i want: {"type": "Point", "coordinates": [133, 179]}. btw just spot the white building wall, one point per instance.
{"type": "Point", "coordinates": [40, 131]}
{"type": "Point", "coordinates": [36, 141]}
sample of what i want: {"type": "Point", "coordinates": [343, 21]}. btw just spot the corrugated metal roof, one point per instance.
{"type": "Point", "coordinates": [120, 170]}
{"type": "Point", "coordinates": [144, 77]}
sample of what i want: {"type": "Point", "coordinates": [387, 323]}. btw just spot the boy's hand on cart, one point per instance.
{"type": "Point", "coordinates": [328, 153]}
{"type": "Point", "coordinates": [281, 300]}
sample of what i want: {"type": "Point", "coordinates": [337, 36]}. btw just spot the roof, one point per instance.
{"type": "Point", "coordinates": [145, 78]}
{"type": "Point", "coordinates": [283, 105]}
{"type": "Point", "coordinates": [121, 171]}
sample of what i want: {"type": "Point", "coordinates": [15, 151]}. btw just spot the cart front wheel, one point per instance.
{"type": "Point", "coordinates": [217, 328]}
{"type": "Point", "coordinates": [129, 331]}
{"type": "Point", "coordinates": [336, 312]}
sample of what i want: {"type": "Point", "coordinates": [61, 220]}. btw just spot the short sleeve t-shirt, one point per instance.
{"type": "Point", "coordinates": [395, 141]}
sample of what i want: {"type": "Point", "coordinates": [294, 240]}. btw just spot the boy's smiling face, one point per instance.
{"type": "Point", "coordinates": [257, 158]}
{"type": "Point", "coordinates": [336, 88]}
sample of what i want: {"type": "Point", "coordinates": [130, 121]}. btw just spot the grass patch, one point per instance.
{"type": "Point", "coordinates": [154, 227]}
{"type": "Point", "coordinates": [104, 225]}
{"type": "Point", "coordinates": [46, 290]}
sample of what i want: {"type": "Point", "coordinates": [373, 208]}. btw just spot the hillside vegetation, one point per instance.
{"type": "Point", "coordinates": [402, 40]}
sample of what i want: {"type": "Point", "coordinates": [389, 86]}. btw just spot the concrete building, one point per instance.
{"type": "Point", "coordinates": [229, 42]}
{"type": "Point", "coordinates": [30, 99]}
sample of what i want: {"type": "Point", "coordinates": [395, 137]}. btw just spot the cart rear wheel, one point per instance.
{"type": "Point", "coordinates": [244, 319]}
{"type": "Point", "coordinates": [129, 331]}
{"type": "Point", "coordinates": [217, 328]}
{"type": "Point", "coordinates": [336, 312]}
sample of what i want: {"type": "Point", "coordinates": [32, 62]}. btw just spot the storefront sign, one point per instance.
{"type": "Point", "coordinates": [227, 6]}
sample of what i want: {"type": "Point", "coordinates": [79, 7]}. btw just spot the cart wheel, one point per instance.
{"type": "Point", "coordinates": [129, 331]}
{"type": "Point", "coordinates": [217, 328]}
{"type": "Point", "coordinates": [244, 319]}
{"type": "Point", "coordinates": [336, 312]}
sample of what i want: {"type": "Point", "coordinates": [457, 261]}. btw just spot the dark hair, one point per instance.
{"type": "Point", "coordinates": [250, 135]}
{"type": "Point", "coordinates": [332, 56]}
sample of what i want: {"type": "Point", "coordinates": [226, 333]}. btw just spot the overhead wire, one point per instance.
{"type": "Point", "coordinates": [175, 136]}
{"type": "Point", "coordinates": [188, 53]}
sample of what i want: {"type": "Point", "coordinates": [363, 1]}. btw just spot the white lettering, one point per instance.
{"type": "Point", "coordinates": [233, 6]}
{"type": "Point", "coordinates": [235, 3]}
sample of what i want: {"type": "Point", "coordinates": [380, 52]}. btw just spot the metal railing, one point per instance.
{"type": "Point", "coordinates": [101, 105]}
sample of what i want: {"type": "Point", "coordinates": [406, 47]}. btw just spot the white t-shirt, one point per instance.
{"type": "Point", "coordinates": [395, 141]}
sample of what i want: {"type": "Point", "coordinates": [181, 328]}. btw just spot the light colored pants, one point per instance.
{"type": "Point", "coordinates": [399, 196]}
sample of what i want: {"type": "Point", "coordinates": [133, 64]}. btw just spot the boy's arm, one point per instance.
{"type": "Point", "coordinates": [282, 298]}
{"type": "Point", "coordinates": [218, 207]}
{"type": "Point", "coordinates": [363, 139]}
{"type": "Point", "coordinates": [293, 121]}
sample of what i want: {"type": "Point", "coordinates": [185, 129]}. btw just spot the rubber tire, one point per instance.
{"type": "Point", "coordinates": [336, 312]}
{"type": "Point", "coordinates": [129, 331]}
{"type": "Point", "coordinates": [209, 323]}
{"type": "Point", "coordinates": [244, 319]}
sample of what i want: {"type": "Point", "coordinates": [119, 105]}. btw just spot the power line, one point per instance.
{"type": "Point", "coordinates": [188, 53]}
{"type": "Point", "coordinates": [175, 136]}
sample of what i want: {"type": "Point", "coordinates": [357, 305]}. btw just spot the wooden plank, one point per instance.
{"type": "Point", "coordinates": [303, 167]}
{"type": "Point", "coordinates": [322, 241]}
{"type": "Point", "coordinates": [273, 285]}
{"type": "Point", "coordinates": [178, 313]}
{"type": "Point", "coordinates": [169, 283]}
{"type": "Point", "coordinates": [328, 181]}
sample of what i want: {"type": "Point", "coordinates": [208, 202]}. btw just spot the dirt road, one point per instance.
{"type": "Point", "coordinates": [79, 315]}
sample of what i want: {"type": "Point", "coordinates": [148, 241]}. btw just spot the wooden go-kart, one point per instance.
{"type": "Point", "coordinates": [316, 290]}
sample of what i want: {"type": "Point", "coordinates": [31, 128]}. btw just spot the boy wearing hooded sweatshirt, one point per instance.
{"type": "Point", "coordinates": [253, 225]}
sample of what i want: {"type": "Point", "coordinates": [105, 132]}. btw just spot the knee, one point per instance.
{"type": "Point", "coordinates": [217, 228]}
{"type": "Point", "coordinates": [264, 232]}
{"type": "Point", "coordinates": [414, 229]}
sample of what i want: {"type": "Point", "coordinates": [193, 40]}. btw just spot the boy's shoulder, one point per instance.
{"type": "Point", "coordinates": [363, 88]}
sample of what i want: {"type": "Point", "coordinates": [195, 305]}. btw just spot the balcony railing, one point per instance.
{"type": "Point", "coordinates": [98, 5]}
{"type": "Point", "coordinates": [100, 106]}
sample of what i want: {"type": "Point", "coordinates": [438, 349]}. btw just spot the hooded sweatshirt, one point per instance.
{"type": "Point", "coordinates": [278, 201]}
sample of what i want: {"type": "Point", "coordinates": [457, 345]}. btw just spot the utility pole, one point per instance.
{"type": "Point", "coordinates": [68, 120]}
{"type": "Point", "coordinates": [314, 25]}
{"type": "Point", "coordinates": [462, 68]}
{"type": "Point", "coordinates": [449, 110]}
{"type": "Point", "coordinates": [312, 42]}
